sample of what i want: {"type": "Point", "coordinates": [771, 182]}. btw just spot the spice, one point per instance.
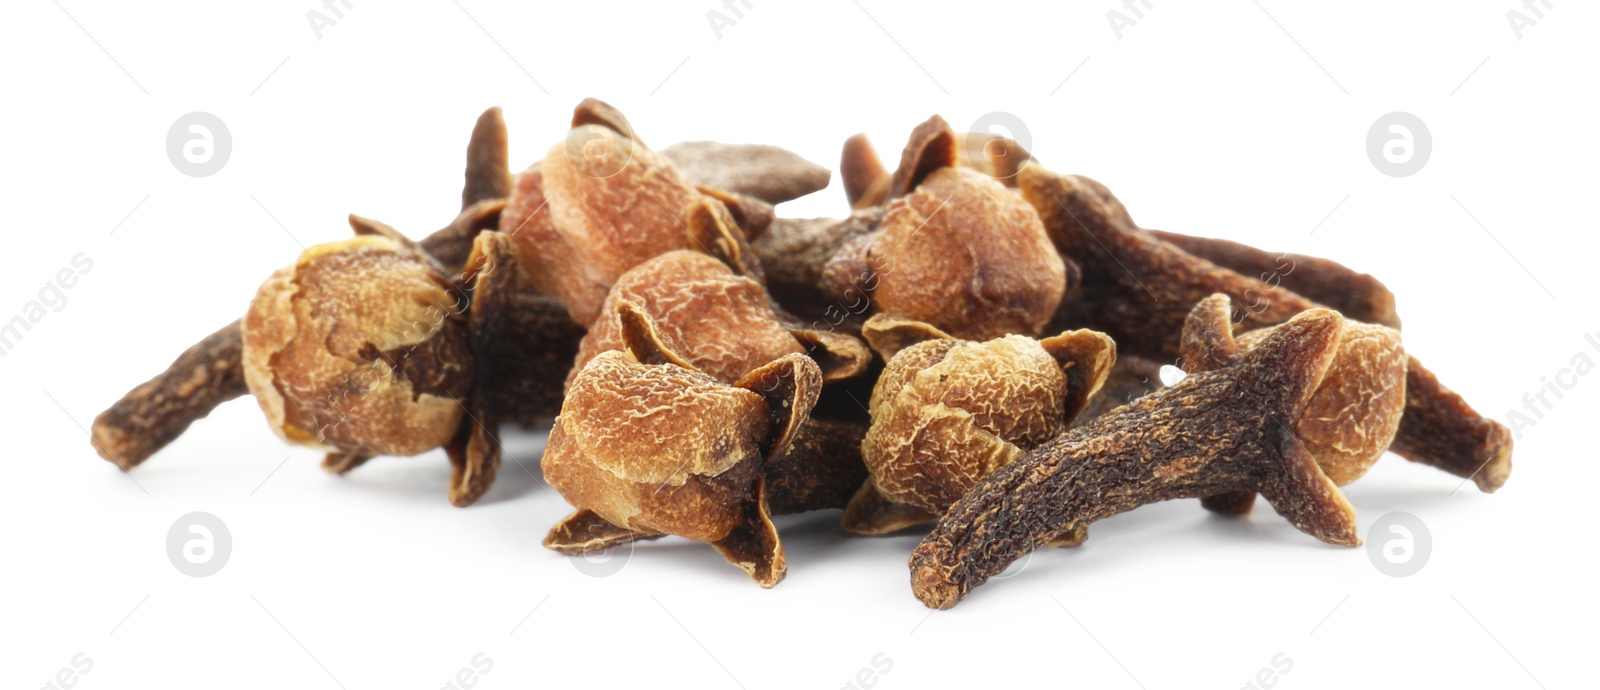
{"type": "Point", "coordinates": [600, 203]}
{"type": "Point", "coordinates": [711, 311]}
{"type": "Point", "coordinates": [1355, 412]}
{"type": "Point", "coordinates": [1358, 296]}
{"type": "Point", "coordinates": [952, 248]}
{"type": "Point", "coordinates": [159, 410]}
{"type": "Point", "coordinates": [1440, 429]}
{"type": "Point", "coordinates": [652, 445]}
{"type": "Point", "coordinates": [210, 372]}
{"type": "Point", "coordinates": [1138, 289]}
{"type": "Point", "coordinates": [948, 412]}
{"type": "Point", "coordinates": [364, 348]}
{"type": "Point", "coordinates": [768, 173]}
{"type": "Point", "coordinates": [1214, 432]}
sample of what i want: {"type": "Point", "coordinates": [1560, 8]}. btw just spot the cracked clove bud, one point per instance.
{"type": "Point", "coordinates": [361, 346]}
{"type": "Point", "coordinates": [948, 412]}
{"type": "Point", "coordinates": [364, 348]}
{"type": "Point", "coordinates": [1138, 289]}
{"type": "Point", "coordinates": [648, 445]}
{"type": "Point", "coordinates": [951, 247]}
{"type": "Point", "coordinates": [1218, 431]}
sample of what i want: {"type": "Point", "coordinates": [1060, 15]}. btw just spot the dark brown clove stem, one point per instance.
{"type": "Point", "coordinates": [211, 372]}
{"type": "Point", "coordinates": [535, 346]}
{"type": "Point", "coordinates": [1139, 289]}
{"type": "Point", "coordinates": [1224, 430]}
{"type": "Point", "coordinates": [1131, 378]}
{"type": "Point", "coordinates": [155, 413]}
{"type": "Point", "coordinates": [953, 248]}
{"type": "Point", "coordinates": [1356, 295]}
{"type": "Point", "coordinates": [1441, 430]}
{"type": "Point", "coordinates": [821, 469]}
{"type": "Point", "coordinates": [794, 253]}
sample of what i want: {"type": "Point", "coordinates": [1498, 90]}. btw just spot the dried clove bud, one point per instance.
{"type": "Point", "coordinates": [948, 412]}
{"type": "Point", "coordinates": [600, 203]}
{"type": "Point", "coordinates": [358, 346]}
{"type": "Point", "coordinates": [1353, 415]}
{"type": "Point", "coordinates": [710, 307]}
{"type": "Point", "coordinates": [1214, 432]}
{"type": "Point", "coordinates": [211, 372]}
{"type": "Point", "coordinates": [952, 248]}
{"type": "Point", "coordinates": [1139, 289]}
{"type": "Point", "coordinates": [768, 173]}
{"type": "Point", "coordinates": [702, 478]}
{"type": "Point", "coordinates": [364, 348]}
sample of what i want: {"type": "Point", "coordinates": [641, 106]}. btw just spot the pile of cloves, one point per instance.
{"type": "Point", "coordinates": [976, 343]}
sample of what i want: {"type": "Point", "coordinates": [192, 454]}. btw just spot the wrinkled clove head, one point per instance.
{"type": "Point", "coordinates": [948, 412]}
{"type": "Point", "coordinates": [599, 203]}
{"type": "Point", "coordinates": [360, 346]}
{"type": "Point", "coordinates": [709, 306]}
{"type": "Point", "coordinates": [657, 448]}
{"type": "Point", "coordinates": [955, 249]}
{"type": "Point", "coordinates": [650, 445]}
{"type": "Point", "coordinates": [721, 322]}
{"type": "Point", "coordinates": [1215, 432]}
{"type": "Point", "coordinates": [1354, 414]}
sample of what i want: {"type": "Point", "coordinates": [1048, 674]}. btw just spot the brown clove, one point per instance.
{"type": "Point", "coordinates": [210, 373]}
{"type": "Point", "coordinates": [947, 412]}
{"type": "Point", "coordinates": [952, 248]}
{"type": "Point", "coordinates": [1214, 432]}
{"type": "Point", "coordinates": [1356, 295]}
{"type": "Point", "coordinates": [650, 445]}
{"type": "Point", "coordinates": [1139, 289]}
{"type": "Point", "coordinates": [709, 305]}
{"type": "Point", "coordinates": [1351, 418]}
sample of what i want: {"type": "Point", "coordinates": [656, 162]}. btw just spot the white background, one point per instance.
{"type": "Point", "coordinates": [1211, 118]}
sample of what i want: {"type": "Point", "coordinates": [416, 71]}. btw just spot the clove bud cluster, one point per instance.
{"type": "Point", "coordinates": [975, 342]}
